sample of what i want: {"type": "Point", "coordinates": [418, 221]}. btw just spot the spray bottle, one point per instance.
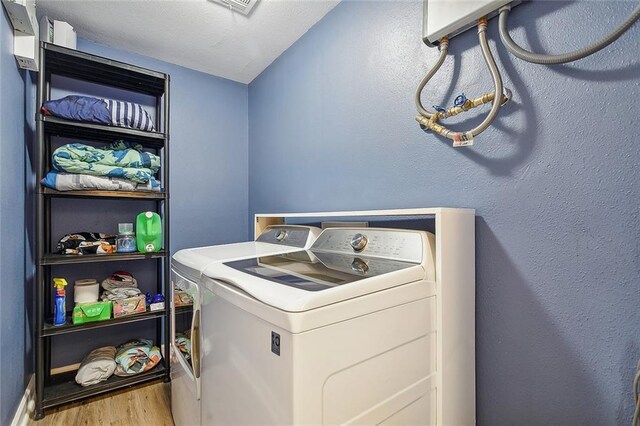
{"type": "Point", "coordinates": [60, 308]}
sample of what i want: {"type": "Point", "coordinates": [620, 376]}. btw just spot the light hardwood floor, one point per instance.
{"type": "Point", "coordinates": [139, 406]}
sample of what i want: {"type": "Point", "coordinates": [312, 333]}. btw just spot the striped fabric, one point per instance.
{"type": "Point", "coordinates": [128, 114]}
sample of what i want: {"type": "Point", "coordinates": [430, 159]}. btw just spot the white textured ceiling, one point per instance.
{"type": "Point", "coordinates": [197, 34]}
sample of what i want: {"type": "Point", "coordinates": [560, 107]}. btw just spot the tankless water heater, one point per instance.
{"type": "Point", "coordinates": [452, 17]}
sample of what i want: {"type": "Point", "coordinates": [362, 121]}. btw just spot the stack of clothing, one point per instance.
{"type": "Point", "coordinates": [101, 111]}
{"type": "Point", "coordinates": [119, 166]}
{"type": "Point", "coordinates": [136, 356]}
{"type": "Point", "coordinates": [133, 357]}
{"type": "Point", "coordinates": [121, 285]}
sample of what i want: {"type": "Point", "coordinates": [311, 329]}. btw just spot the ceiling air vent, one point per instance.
{"type": "Point", "coordinates": [242, 6]}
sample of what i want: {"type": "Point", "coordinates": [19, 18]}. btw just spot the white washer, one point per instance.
{"type": "Point", "coordinates": [344, 333]}
{"type": "Point", "coordinates": [186, 268]}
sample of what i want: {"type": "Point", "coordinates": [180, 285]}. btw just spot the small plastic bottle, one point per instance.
{"type": "Point", "coordinates": [126, 241]}
{"type": "Point", "coordinates": [60, 309]}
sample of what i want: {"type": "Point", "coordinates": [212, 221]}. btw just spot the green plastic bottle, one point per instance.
{"type": "Point", "coordinates": [148, 232]}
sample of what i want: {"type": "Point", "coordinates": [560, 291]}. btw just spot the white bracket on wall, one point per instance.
{"type": "Point", "coordinates": [22, 14]}
{"type": "Point", "coordinates": [452, 17]}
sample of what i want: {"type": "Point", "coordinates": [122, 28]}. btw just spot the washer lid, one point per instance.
{"type": "Point", "coordinates": [275, 239]}
{"type": "Point", "coordinates": [304, 280]}
{"type": "Point", "coordinates": [191, 262]}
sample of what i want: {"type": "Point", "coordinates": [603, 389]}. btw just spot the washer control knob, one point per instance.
{"type": "Point", "coordinates": [281, 235]}
{"type": "Point", "coordinates": [359, 242]}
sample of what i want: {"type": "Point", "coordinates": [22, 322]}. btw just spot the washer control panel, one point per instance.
{"type": "Point", "coordinates": [374, 242]}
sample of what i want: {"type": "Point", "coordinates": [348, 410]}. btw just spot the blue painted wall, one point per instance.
{"type": "Point", "coordinates": [555, 184]}
{"type": "Point", "coordinates": [12, 248]}
{"type": "Point", "coordinates": [209, 152]}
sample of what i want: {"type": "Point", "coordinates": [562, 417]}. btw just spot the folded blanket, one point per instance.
{"type": "Point", "coordinates": [96, 367]}
{"type": "Point", "coordinates": [119, 160]}
{"type": "Point", "coordinates": [87, 243]}
{"type": "Point", "coordinates": [136, 356]}
{"type": "Point", "coordinates": [102, 111]}
{"type": "Point", "coordinates": [80, 182]}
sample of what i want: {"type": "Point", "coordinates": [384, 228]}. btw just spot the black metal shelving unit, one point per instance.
{"type": "Point", "coordinates": [53, 390]}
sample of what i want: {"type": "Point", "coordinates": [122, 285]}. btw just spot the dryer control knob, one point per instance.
{"type": "Point", "coordinates": [359, 242]}
{"type": "Point", "coordinates": [281, 235]}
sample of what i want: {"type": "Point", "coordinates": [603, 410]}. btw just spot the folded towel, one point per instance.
{"type": "Point", "coordinates": [96, 367]}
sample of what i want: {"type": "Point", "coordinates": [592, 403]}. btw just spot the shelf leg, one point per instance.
{"type": "Point", "coordinates": [38, 414]}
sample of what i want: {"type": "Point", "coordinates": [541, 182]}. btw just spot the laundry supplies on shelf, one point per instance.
{"type": "Point", "coordinates": [101, 111]}
{"type": "Point", "coordinates": [149, 230]}
{"type": "Point", "coordinates": [126, 241]}
{"type": "Point", "coordinates": [87, 243]}
{"type": "Point", "coordinates": [91, 312]}
{"type": "Point", "coordinates": [129, 306]}
{"type": "Point", "coordinates": [155, 302]}
{"type": "Point", "coordinates": [122, 290]}
{"type": "Point", "coordinates": [136, 356]}
{"type": "Point", "coordinates": [96, 367]}
{"type": "Point", "coordinates": [60, 309]}
{"type": "Point", "coordinates": [86, 291]}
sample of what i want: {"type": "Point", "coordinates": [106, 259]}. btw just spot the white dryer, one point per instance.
{"type": "Point", "coordinates": [186, 267]}
{"type": "Point", "coordinates": [343, 333]}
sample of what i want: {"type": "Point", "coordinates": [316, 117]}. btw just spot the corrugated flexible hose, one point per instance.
{"type": "Point", "coordinates": [444, 45]}
{"type": "Point", "coordinates": [495, 75]}
{"type": "Point", "coordinates": [538, 58]}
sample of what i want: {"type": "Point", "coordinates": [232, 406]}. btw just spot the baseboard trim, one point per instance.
{"type": "Point", "coordinates": [25, 408]}
{"type": "Point", "coordinates": [65, 369]}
